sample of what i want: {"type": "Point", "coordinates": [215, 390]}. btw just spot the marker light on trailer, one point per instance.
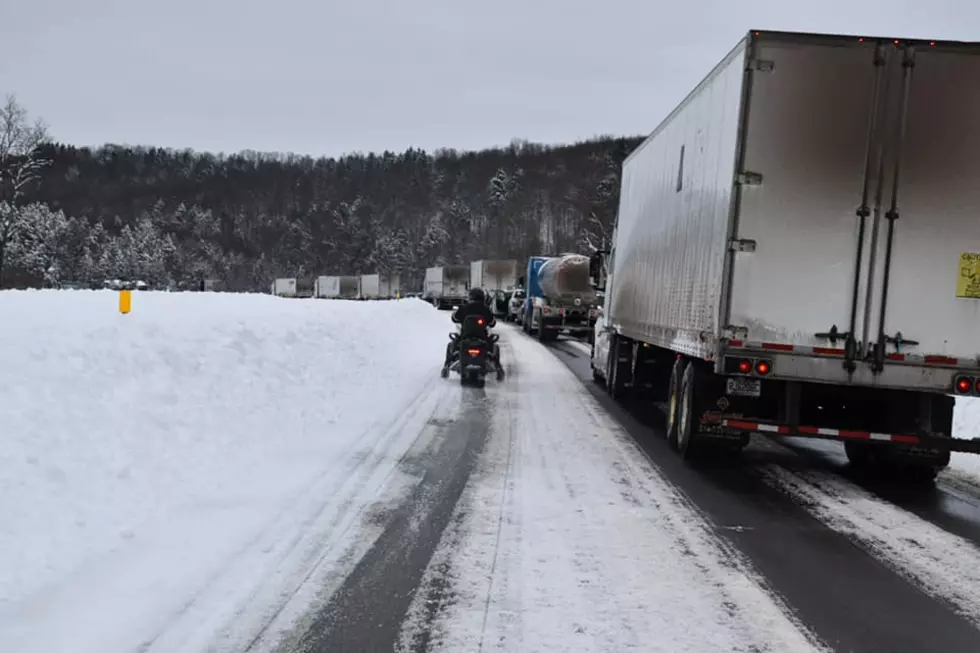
{"type": "Point", "coordinates": [964, 384]}
{"type": "Point", "coordinates": [745, 367]}
{"type": "Point", "coordinates": [763, 368]}
{"type": "Point", "coordinates": [976, 388]}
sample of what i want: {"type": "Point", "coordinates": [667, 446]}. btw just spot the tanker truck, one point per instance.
{"type": "Point", "coordinates": [560, 297]}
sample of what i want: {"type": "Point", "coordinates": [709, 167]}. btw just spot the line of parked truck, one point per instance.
{"type": "Point", "coordinates": [363, 286]}
{"type": "Point", "coordinates": [553, 295]}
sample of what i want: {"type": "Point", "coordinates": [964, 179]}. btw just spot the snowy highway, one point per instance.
{"type": "Point", "coordinates": [867, 566]}
{"type": "Point", "coordinates": [222, 473]}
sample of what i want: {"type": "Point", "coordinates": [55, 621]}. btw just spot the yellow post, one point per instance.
{"type": "Point", "coordinates": [125, 301]}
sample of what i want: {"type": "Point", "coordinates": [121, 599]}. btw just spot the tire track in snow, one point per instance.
{"type": "Point", "coordinates": [943, 565]}
{"type": "Point", "coordinates": [482, 507]}
{"type": "Point", "coordinates": [366, 611]}
{"type": "Point", "coordinates": [309, 533]}
{"type": "Point", "coordinates": [608, 556]}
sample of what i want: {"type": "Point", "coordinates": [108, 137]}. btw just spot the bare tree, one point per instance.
{"type": "Point", "coordinates": [21, 161]}
{"type": "Point", "coordinates": [594, 235]}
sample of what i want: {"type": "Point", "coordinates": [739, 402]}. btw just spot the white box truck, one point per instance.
{"type": "Point", "coordinates": [390, 286]}
{"type": "Point", "coordinates": [370, 286]}
{"type": "Point", "coordinates": [337, 287]}
{"type": "Point", "coordinates": [446, 286]}
{"type": "Point", "coordinates": [284, 287]}
{"type": "Point", "coordinates": [796, 251]}
{"type": "Point", "coordinates": [493, 275]}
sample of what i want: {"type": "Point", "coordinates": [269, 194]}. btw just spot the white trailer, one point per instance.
{"type": "Point", "coordinates": [284, 287]}
{"type": "Point", "coordinates": [337, 287]}
{"type": "Point", "coordinates": [370, 286]}
{"type": "Point", "coordinates": [390, 286]}
{"type": "Point", "coordinates": [446, 286]}
{"type": "Point", "coordinates": [796, 250]}
{"type": "Point", "coordinates": [493, 275]}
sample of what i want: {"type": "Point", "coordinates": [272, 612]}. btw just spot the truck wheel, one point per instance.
{"type": "Point", "coordinates": [611, 377]}
{"type": "Point", "coordinates": [674, 401]}
{"type": "Point", "coordinates": [688, 439]}
{"type": "Point", "coordinates": [616, 376]}
{"type": "Point", "coordinates": [542, 334]}
{"type": "Point", "coordinates": [858, 456]}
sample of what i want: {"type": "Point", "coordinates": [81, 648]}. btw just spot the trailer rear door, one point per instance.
{"type": "Point", "coordinates": [803, 170]}
{"type": "Point", "coordinates": [933, 292]}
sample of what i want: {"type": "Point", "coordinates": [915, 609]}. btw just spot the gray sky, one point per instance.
{"type": "Point", "coordinates": [324, 77]}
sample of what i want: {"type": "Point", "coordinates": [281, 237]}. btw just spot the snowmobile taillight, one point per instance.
{"type": "Point", "coordinates": [763, 367]}
{"type": "Point", "coordinates": [473, 352]}
{"type": "Point", "coordinates": [546, 310]}
{"type": "Point", "coordinates": [964, 384]}
{"type": "Point", "coordinates": [479, 322]}
{"type": "Point", "coordinates": [745, 366]}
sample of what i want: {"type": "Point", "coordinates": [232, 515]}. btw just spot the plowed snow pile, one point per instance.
{"type": "Point", "coordinates": [966, 424]}
{"type": "Point", "coordinates": [141, 453]}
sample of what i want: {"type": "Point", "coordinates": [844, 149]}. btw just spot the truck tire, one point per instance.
{"type": "Point", "coordinates": [612, 378]}
{"type": "Point", "coordinates": [674, 401]}
{"type": "Point", "coordinates": [689, 441]}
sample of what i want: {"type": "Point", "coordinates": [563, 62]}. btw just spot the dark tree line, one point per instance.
{"type": "Point", "coordinates": [176, 217]}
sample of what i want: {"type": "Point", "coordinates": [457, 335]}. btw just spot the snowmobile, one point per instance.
{"type": "Point", "coordinates": [477, 352]}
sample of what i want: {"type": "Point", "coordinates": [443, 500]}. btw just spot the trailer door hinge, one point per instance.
{"type": "Point", "coordinates": [741, 245]}
{"type": "Point", "coordinates": [763, 65]}
{"type": "Point", "coordinates": [748, 178]}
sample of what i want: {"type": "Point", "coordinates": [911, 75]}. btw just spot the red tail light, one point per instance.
{"type": "Point", "coordinates": [763, 367]}
{"type": "Point", "coordinates": [479, 321]}
{"type": "Point", "coordinates": [964, 384]}
{"type": "Point", "coordinates": [474, 352]}
{"type": "Point", "coordinates": [745, 367]}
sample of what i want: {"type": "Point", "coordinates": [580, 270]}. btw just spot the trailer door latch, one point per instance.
{"type": "Point", "coordinates": [741, 245]}
{"type": "Point", "coordinates": [833, 335]}
{"type": "Point", "coordinates": [899, 341]}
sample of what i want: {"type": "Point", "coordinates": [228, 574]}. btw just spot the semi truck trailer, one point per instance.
{"type": "Point", "coordinates": [446, 286]}
{"type": "Point", "coordinates": [337, 287]}
{"type": "Point", "coordinates": [796, 251]}
{"type": "Point", "coordinates": [493, 275]}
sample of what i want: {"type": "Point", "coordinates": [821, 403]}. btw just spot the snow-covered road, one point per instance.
{"type": "Point", "coordinates": [567, 538]}
{"type": "Point", "coordinates": [241, 473]}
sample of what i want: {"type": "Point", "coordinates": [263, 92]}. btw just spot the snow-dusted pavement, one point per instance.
{"type": "Point", "coordinates": [220, 473]}
{"type": "Point", "coordinates": [568, 539]}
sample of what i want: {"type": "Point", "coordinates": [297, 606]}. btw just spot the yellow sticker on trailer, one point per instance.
{"type": "Point", "coordinates": [968, 279]}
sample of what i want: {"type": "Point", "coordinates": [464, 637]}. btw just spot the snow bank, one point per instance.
{"type": "Point", "coordinates": [140, 451]}
{"type": "Point", "coordinates": [966, 424]}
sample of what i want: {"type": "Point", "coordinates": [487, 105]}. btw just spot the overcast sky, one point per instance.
{"type": "Point", "coordinates": [324, 77]}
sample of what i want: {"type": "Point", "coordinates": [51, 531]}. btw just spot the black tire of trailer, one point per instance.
{"type": "Point", "coordinates": [880, 461]}
{"type": "Point", "coordinates": [546, 335]}
{"type": "Point", "coordinates": [614, 381]}
{"type": "Point", "coordinates": [674, 401]}
{"type": "Point", "coordinates": [690, 443]}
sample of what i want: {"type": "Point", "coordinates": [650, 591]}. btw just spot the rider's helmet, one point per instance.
{"type": "Point", "coordinates": [477, 296]}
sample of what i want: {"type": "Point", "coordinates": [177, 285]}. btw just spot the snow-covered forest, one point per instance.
{"type": "Point", "coordinates": [79, 215]}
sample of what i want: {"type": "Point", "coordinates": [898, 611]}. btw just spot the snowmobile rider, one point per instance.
{"type": "Point", "coordinates": [477, 305]}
